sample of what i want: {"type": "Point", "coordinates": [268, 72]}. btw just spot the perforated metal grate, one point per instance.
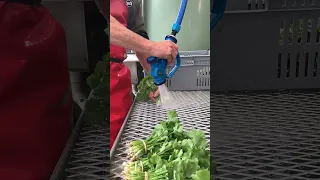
{"type": "Point", "coordinates": [144, 116]}
{"type": "Point", "coordinates": [90, 157]}
{"type": "Point", "coordinates": [266, 136]}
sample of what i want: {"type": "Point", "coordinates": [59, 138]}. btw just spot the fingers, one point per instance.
{"type": "Point", "coordinates": [154, 95]}
{"type": "Point", "coordinates": [151, 96]}
{"type": "Point", "coordinates": [157, 93]}
{"type": "Point", "coordinates": [166, 50]}
{"type": "Point", "coordinates": [173, 52]}
{"type": "Point", "coordinates": [173, 45]}
{"type": "Point", "coordinates": [173, 56]}
{"type": "Point", "coordinates": [169, 59]}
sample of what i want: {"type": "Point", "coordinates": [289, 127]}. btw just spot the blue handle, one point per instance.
{"type": "Point", "coordinates": [158, 69]}
{"type": "Point", "coordinates": [151, 59]}
{"type": "Point", "coordinates": [176, 67]}
{"type": "Point", "coordinates": [217, 12]}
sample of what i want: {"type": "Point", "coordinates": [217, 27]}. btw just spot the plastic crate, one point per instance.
{"type": "Point", "coordinates": [197, 65]}
{"type": "Point", "coordinates": [267, 45]}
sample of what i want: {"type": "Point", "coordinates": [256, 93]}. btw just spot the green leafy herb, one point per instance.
{"type": "Point", "coordinates": [97, 105]}
{"type": "Point", "coordinates": [169, 153]}
{"type": "Point", "coordinates": [145, 87]}
{"type": "Point", "coordinates": [201, 174]}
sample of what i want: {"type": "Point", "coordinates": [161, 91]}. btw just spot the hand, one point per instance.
{"type": "Point", "coordinates": [165, 50]}
{"type": "Point", "coordinates": [154, 95]}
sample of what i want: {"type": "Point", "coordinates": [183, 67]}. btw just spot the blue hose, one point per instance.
{"type": "Point", "coordinates": [177, 25]}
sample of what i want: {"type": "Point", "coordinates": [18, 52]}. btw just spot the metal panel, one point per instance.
{"type": "Point", "coordinates": [86, 155]}
{"type": "Point", "coordinates": [252, 6]}
{"type": "Point", "coordinates": [71, 15]}
{"type": "Point", "coordinates": [294, 4]}
{"type": "Point", "coordinates": [266, 51]}
{"type": "Point", "coordinates": [266, 136]}
{"type": "Point", "coordinates": [90, 156]}
{"type": "Point", "coordinates": [246, 5]}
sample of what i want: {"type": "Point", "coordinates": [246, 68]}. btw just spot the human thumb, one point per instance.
{"type": "Point", "coordinates": [156, 94]}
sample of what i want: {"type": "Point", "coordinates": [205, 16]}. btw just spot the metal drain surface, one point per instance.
{"type": "Point", "coordinates": [266, 136]}
{"type": "Point", "coordinates": [90, 158]}
{"type": "Point", "coordinates": [144, 116]}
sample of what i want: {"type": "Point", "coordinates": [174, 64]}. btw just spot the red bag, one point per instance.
{"type": "Point", "coordinates": [35, 98]}
{"type": "Point", "coordinates": [120, 79]}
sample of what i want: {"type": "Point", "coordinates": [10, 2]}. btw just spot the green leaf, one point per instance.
{"type": "Point", "coordinates": [96, 107]}
{"type": "Point", "coordinates": [171, 153]}
{"type": "Point", "coordinates": [145, 87]}
{"type": "Point", "coordinates": [172, 114]}
{"type": "Point", "coordinates": [184, 168]}
{"type": "Point", "coordinates": [202, 174]}
{"type": "Point", "coordinates": [198, 138]}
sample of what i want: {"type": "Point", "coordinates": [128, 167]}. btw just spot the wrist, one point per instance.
{"type": "Point", "coordinates": [147, 43]}
{"type": "Point", "coordinates": [149, 47]}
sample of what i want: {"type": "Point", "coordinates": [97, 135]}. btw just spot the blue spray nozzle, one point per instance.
{"type": "Point", "coordinates": [159, 66]}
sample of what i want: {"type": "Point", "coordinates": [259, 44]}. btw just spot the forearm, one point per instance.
{"type": "Point", "coordinates": [122, 36]}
